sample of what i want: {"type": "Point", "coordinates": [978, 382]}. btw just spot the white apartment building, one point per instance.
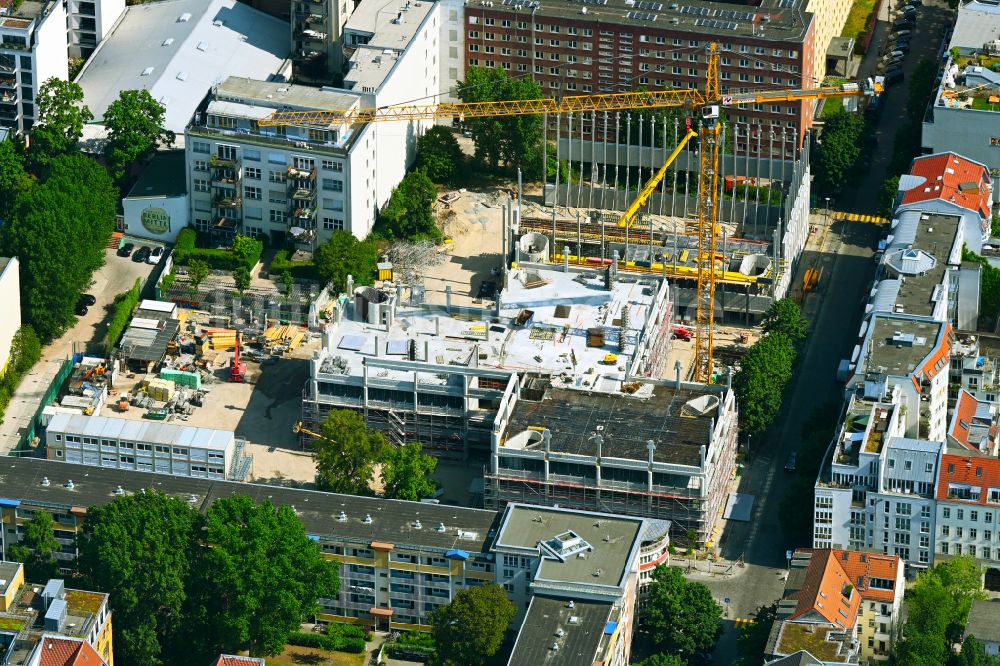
{"type": "Point", "coordinates": [317, 45]}
{"type": "Point", "coordinates": [252, 179]}
{"type": "Point", "coordinates": [145, 446]}
{"type": "Point", "coordinates": [32, 50]}
{"type": "Point", "coordinates": [10, 305]}
{"type": "Point", "coordinates": [88, 22]}
{"type": "Point", "coordinates": [452, 42]}
{"type": "Point", "coordinates": [968, 511]}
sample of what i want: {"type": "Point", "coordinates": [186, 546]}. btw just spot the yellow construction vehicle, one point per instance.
{"type": "Point", "coordinates": [298, 428]}
{"type": "Point", "coordinates": [709, 102]}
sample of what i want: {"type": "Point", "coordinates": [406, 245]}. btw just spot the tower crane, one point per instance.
{"type": "Point", "coordinates": [708, 103]}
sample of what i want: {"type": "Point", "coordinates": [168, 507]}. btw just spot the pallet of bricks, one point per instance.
{"type": "Point", "coordinates": [284, 338]}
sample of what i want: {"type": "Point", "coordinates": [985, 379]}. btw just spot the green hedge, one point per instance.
{"type": "Point", "coordinates": [219, 259]}
{"type": "Point", "coordinates": [25, 351]}
{"type": "Point", "coordinates": [303, 639]}
{"type": "Point", "coordinates": [336, 642]}
{"type": "Point", "coordinates": [303, 270]}
{"type": "Point", "coordinates": [125, 302]}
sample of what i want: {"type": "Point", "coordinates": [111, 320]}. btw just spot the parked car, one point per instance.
{"type": "Point", "coordinates": [894, 75]}
{"type": "Point", "coordinates": [125, 250]}
{"type": "Point", "coordinates": [791, 462]}
{"type": "Point", "coordinates": [155, 255]}
{"type": "Point", "coordinates": [87, 299]}
{"type": "Point", "coordinates": [141, 254]}
{"type": "Point", "coordinates": [81, 309]}
{"type": "Point", "coordinates": [903, 22]}
{"type": "Point", "coordinates": [900, 34]}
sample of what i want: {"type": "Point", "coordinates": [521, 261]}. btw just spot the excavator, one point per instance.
{"type": "Point", "coordinates": [708, 104]}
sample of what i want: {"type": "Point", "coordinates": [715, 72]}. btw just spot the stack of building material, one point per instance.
{"type": "Point", "coordinates": [182, 378]}
{"type": "Point", "coordinates": [160, 389]}
{"type": "Point", "coordinates": [221, 338]}
{"type": "Point", "coordinates": [284, 337]}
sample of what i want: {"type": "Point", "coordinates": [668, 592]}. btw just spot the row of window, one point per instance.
{"type": "Point", "coordinates": [982, 552]}
{"type": "Point", "coordinates": [253, 155]}
{"type": "Point", "coordinates": [973, 533]}
{"type": "Point", "coordinates": [946, 513]}
{"type": "Point", "coordinates": [139, 446]}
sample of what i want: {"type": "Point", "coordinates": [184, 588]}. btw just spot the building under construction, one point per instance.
{"type": "Point", "coordinates": [657, 449]}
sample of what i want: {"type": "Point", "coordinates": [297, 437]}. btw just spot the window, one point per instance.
{"type": "Point", "coordinates": [278, 216]}
{"type": "Point", "coordinates": [252, 192]}
{"type": "Point", "coordinates": [973, 533]}
{"type": "Point", "coordinates": [201, 185]}
{"type": "Point", "coordinates": [960, 514]}
{"type": "Point", "coordinates": [200, 165]}
{"type": "Point", "coordinates": [974, 516]}
{"type": "Point", "coordinates": [276, 176]}
{"type": "Point", "coordinates": [946, 512]}
{"type": "Point", "coordinates": [333, 184]}
{"type": "Point", "coordinates": [958, 532]}
{"type": "Point", "coordinates": [201, 147]}
{"type": "Point", "coordinates": [252, 155]}
{"type": "Point", "coordinates": [252, 173]}
{"type": "Point", "coordinates": [333, 223]}
{"type": "Point", "coordinates": [944, 548]}
{"type": "Point", "coordinates": [945, 530]}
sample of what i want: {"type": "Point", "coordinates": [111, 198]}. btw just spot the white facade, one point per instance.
{"type": "Point", "coordinates": [140, 445]}
{"type": "Point", "coordinates": [33, 48]}
{"type": "Point", "coordinates": [157, 207]}
{"type": "Point", "coordinates": [10, 306]}
{"type": "Point", "coordinates": [88, 22]}
{"type": "Point", "coordinates": [452, 42]}
{"type": "Point", "coordinates": [965, 529]}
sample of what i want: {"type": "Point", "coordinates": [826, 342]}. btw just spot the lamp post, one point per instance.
{"type": "Point", "coordinates": [827, 210]}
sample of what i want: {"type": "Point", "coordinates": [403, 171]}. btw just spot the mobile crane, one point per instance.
{"type": "Point", "coordinates": [709, 103]}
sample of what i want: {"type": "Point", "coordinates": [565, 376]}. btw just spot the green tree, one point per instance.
{"type": "Point", "coordinates": [137, 548]}
{"type": "Point", "coordinates": [342, 255]}
{"type": "Point", "coordinates": [197, 272]}
{"type": "Point", "coordinates": [662, 660]}
{"type": "Point", "coordinates": [760, 382]}
{"type": "Point", "coordinates": [752, 639]}
{"type": "Point", "coordinates": [241, 276]}
{"type": "Point", "coordinates": [682, 617]}
{"type": "Point", "coordinates": [347, 453]}
{"type": "Point", "coordinates": [406, 473]}
{"type": "Point", "coordinates": [37, 549]}
{"type": "Point", "coordinates": [513, 141]}
{"type": "Point", "coordinates": [471, 628]}
{"type": "Point", "coordinates": [974, 654]}
{"type": "Point", "coordinates": [439, 155]}
{"type": "Point", "coordinates": [25, 350]}
{"type": "Point", "coordinates": [59, 229]}
{"type": "Point", "coordinates": [255, 579]}
{"type": "Point", "coordinates": [408, 214]}
{"type": "Point", "coordinates": [784, 316]}
{"type": "Point", "coordinates": [14, 178]}
{"type": "Point", "coordinates": [839, 150]}
{"type": "Point", "coordinates": [887, 195]}
{"type": "Point", "coordinates": [288, 282]}
{"type": "Point", "coordinates": [135, 127]}
{"type": "Point", "coordinates": [247, 250]}
{"type": "Point", "coordinates": [61, 117]}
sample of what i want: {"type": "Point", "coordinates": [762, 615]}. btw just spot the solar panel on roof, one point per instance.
{"type": "Point", "coordinates": [396, 347]}
{"type": "Point", "coordinates": [645, 4]}
{"type": "Point", "coordinates": [641, 16]}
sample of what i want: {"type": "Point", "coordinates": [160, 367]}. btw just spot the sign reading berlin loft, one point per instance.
{"type": "Point", "coordinates": [156, 220]}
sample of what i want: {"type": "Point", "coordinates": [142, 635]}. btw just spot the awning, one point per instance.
{"type": "Point", "coordinates": [312, 537]}
{"type": "Point", "coordinates": [380, 612]}
{"type": "Point", "coordinates": [381, 546]}
{"type": "Point", "coordinates": [456, 554]}
{"type": "Point", "coordinates": [12, 503]}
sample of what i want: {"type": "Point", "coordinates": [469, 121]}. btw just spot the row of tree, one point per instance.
{"type": "Point", "coordinates": [767, 366]}
{"type": "Point", "coordinates": [349, 455]}
{"type": "Point", "coordinates": [58, 206]}
{"type": "Point", "coordinates": [185, 586]}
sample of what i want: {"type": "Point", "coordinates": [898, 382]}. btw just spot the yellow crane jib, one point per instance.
{"type": "Point", "coordinates": [632, 212]}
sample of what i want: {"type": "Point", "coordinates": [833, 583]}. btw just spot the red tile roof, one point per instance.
{"type": "Point", "coordinates": [822, 591]}
{"type": "Point", "coordinates": [947, 177]}
{"type": "Point", "coordinates": [965, 409]}
{"type": "Point", "coordinates": [231, 660]}
{"type": "Point", "coordinates": [862, 567]}
{"type": "Point", "coordinates": [977, 471]}
{"type": "Point", "coordinates": [58, 651]}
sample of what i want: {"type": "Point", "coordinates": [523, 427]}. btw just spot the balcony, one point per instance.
{"type": "Point", "coordinates": [7, 67]}
{"type": "Point", "coordinates": [8, 82]}
{"type": "Point", "coordinates": [301, 174]}
{"type": "Point", "coordinates": [302, 195]}
{"type": "Point", "coordinates": [224, 225]}
{"type": "Point", "coordinates": [300, 215]}
{"type": "Point", "coordinates": [8, 96]}
{"type": "Point", "coordinates": [225, 175]}
{"type": "Point", "coordinates": [231, 201]}
{"type": "Point", "coordinates": [307, 35]}
{"type": "Point", "coordinates": [223, 162]}
{"type": "Point", "coordinates": [307, 55]}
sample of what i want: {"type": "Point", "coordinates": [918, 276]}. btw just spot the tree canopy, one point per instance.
{"type": "Point", "coordinates": [760, 382]}
{"type": "Point", "coordinates": [235, 599]}
{"type": "Point", "coordinates": [681, 616]}
{"type": "Point", "coordinates": [408, 214]}
{"type": "Point", "coordinates": [13, 177]}
{"type": "Point", "coordinates": [347, 453]}
{"type": "Point", "coordinates": [938, 606]}
{"type": "Point", "coordinates": [61, 117]}
{"type": "Point", "coordinates": [752, 639]}
{"type": "Point", "coordinates": [37, 549]}
{"type": "Point", "coordinates": [784, 316]}
{"type": "Point", "coordinates": [839, 150]}
{"type": "Point", "coordinates": [439, 155]}
{"type": "Point", "coordinates": [406, 473]}
{"type": "Point", "coordinates": [135, 127]}
{"type": "Point", "coordinates": [342, 255]}
{"type": "Point", "coordinates": [513, 141]}
{"type": "Point", "coordinates": [59, 229]}
{"type": "Point", "coordinates": [661, 659]}
{"type": "Point", "coordinates": [471, 628]}
{"type": "Point", "coordinates": [137, 548]}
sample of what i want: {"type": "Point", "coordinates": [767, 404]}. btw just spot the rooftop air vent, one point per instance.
{"type": "Point", "coordinates": [119, 490]}
{"type": "Point", "coordinates": [69, 484]}
{"type": "Point", "coordinates": [184, 18]}
{"type": "Point", "coordinates": [147, 71]}
{"type": "Point", "coordinates": [368, 519]}
{"type": "Point", "coordinates": [168, 41]}
{"type": "Point", "coordinates": [441, 527]}
{"type": "Point", "coordinates": [342, 517]}
{"type": "Point", "coordinates": [45, 482]}
{"type": "Point", "coordinates": [417, 525]}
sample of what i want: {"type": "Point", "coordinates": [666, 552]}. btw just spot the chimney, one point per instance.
{"type": "Point", "coordinates": [350, 285]}
{"type": "Point", "coordinates": [447, 298]}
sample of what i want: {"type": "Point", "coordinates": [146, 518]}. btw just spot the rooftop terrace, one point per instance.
{"type": "Point", "coordinates": [824, 642]}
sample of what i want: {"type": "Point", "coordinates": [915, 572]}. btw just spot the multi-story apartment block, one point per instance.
{"type": "Point", "coordinates": [32, 50]}
{"type": "Point", "coordinates": [974, 424]}
{"type": "Point", "coordinates": [426, 374]}
{"type": "Point", "coordinates": [146, 446]}
{"type": "Point", "coordinates": [10, 305]}
{"type": "Point", "coordinates": [667, 452]}
{"type": "Point", "coordinates": [398, 560]}
{"type": "Point", "coordinates": [841, 606]}
{"type": "Point", "coordinates": [88, 22]}
{"type": "Point", "coordinates": [968, 511]}
{"type": "Point", "coordinates": [580, 48]}
{"type": "Point", "coordinates": [317, 45]}
{"type": "Point", "coordinates": [266, 180]}
{"type": "Point", "coordinates": [975, 373]}
{"type": "Point", "coordinates": [41, 620]}
{"type": "Point", "coordinates": [951, 184]}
